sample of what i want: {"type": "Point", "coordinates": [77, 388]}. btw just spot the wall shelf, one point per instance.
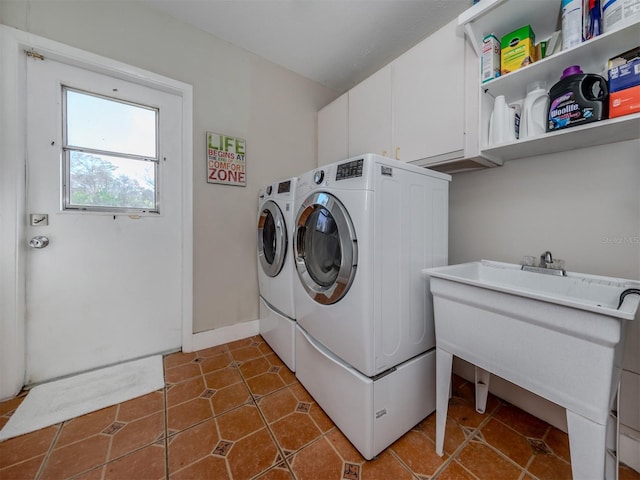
{"type": "Point", "coordinates": [598, 133]}
{"type": "Point", "coordinates": [590, 55]}
{"type": "Point", "coordinates": [503, 16]}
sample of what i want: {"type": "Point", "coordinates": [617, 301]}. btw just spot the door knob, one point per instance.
{"type": "Point", "coordinates": [39, 242]}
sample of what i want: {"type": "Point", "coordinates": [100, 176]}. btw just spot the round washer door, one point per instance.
{"type": "Point", "coordinates": [325, 249]}
{"type": "Point", "coordinates": [272, 239]}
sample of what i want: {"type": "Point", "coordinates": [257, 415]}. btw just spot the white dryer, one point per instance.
{"type": "Point", "coordinates": [364, 230]}
{"type": "Point", "coordinates": [276, 270]}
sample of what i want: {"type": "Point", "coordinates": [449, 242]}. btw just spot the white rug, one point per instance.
{"type": "Point", "coordinates": [61, 400]}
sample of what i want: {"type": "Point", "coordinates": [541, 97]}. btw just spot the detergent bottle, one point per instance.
{"type": "Point", "coordinates": [504, 123]}
{"type": "Point", "coordinates": [534, 111]}
{"type": "Point", "coordinates": [578, 98]}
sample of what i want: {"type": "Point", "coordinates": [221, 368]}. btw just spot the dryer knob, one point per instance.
{"type": "Point", "coordinates": [269, 189]}
{"type": "Point", "coordinates": [318, 177]}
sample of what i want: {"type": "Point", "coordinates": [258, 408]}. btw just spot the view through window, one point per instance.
{"type": "Point", "coordinates": [110, 154]}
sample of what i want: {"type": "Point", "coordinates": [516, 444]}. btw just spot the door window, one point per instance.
{"type": "Point", "coordinates": [269, 237]}
{"type": "Point", "coordinates": [322, 244]}
{"type": "Point", "coordinates": [272, 239]}
{"type": "Point", "coordinates": [325, 249]}
{"type": "Point", "coordinates": [110, 154]}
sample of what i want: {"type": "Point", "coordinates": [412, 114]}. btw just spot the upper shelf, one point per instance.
{"type": "Point", "coordinates": [591, 56]}
{"type": "Point", "coordinates": [501, 17]}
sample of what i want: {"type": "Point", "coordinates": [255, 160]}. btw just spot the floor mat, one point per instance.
{"type": "Point", "coordinates": [61, 400]}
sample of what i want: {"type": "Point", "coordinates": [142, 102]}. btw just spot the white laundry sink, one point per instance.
{"type": "Point", "coordinates": [561, 337]}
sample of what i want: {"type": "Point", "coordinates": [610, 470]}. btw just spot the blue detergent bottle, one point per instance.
{"type": "Point", "coordinates": [578, 98]}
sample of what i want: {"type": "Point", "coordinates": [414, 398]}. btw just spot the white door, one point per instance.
{"type": "Point", "coordinates": [107, 287]}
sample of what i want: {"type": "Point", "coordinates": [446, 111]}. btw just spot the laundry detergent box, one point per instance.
{"type": "Point", "coordinates": [624, 70]}
{"type": "Point", "coordinates": [624, 102]}
{"type": "Point", "coordinates": [490, 60]}
{"type": "Point", "coordinates": [518, 49]}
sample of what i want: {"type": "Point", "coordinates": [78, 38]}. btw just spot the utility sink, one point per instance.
{"type": "Point", "coordinates": [561, 337]}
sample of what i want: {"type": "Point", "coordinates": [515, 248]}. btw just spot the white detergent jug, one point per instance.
{"type": "Point", "coordinates": [534, 111]}
{"type": "Point", "coordinates": [504, 122]}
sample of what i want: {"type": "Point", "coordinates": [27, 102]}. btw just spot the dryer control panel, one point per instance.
{"type": "Point", "coordinates": [284, 187]}
{"type": "Point", "coordinates": [350, 169]}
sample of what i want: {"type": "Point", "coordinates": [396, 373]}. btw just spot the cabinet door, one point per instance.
{"type": "Point", "coordinates": [370, 115]}
{"type": "Point", "coordinates": [333, 131]}
{"type": "Point", "coordinates": [428, 97]}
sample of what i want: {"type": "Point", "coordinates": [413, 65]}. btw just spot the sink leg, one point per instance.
{"type": "Point", "coordinates": [587, 442]}
{"type": "Point", "coordinates": [444, 362]}
{"type": "Point", "coordinates": [482, 389]}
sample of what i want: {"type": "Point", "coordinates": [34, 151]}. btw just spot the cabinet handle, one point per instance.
{"type": "Point", "coordinates": [397, 153]}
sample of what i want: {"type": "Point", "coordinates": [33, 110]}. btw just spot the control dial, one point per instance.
{"type": "Point", "coordinates": [318, 177]}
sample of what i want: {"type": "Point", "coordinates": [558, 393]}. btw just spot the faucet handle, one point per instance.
{"type": "Point", "coordinates": [546, 258]}
{"type": "Point", "coordinates": [558, 264]}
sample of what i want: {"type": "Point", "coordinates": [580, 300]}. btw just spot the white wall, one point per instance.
{"type": "Point", "coordinates": [583, 206]}
{"type": "Point", "coordinates": [235, 93]}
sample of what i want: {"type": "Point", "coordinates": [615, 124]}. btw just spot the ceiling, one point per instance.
{"type": "Point", "coordinates": [337, 43]}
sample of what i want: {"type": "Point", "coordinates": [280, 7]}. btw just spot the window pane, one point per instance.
{"type": "Point", "coordinates": [102, 124]}
{"type": "Point", "coordinates": [105, 181]}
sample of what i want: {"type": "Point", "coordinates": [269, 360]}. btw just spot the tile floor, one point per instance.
{"type": "Point", "coordinates": [236, 412]}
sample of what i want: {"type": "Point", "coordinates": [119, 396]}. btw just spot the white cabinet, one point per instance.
{"type": "Point", "coordinates": [333, 131]}
{"type": "Point", "coordinates": [421, 108]}
{"type": "Point", "coordinates": [413, 109]}
{"type": "Point", "coordinates": [370, 115]}
{"type": "Point", "coordinates": [429, 97]}
{"type": "Point", "coordinates": [502, 16]}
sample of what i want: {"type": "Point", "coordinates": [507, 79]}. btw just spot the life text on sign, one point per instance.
{"type": "Point", "coordinates": [226, 159]}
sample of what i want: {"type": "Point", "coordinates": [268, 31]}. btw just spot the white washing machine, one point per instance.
{"type": "Point", "coordinates": [276, 270]}
{"type": "Point", "coordinates": [365, 228]}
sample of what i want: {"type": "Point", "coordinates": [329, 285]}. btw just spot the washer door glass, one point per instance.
{"type": "Point", "coordinates": [272, 239]}
{"type": "Point", "coordinates": [325, 248]}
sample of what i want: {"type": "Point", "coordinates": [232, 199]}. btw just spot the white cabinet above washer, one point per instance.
{"type": "Point", "coordinates": [370, 107]}
{"type": "Point", "coordinates": [421, 108]}
{"type": "Point", "coordinates": [333, 131]}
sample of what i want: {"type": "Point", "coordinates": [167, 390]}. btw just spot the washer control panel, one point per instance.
{"type": "Point", "coordinates": [350, 170]}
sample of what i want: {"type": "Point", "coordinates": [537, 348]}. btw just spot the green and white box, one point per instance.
{"type": "Point", "coordinates": [490, 60]}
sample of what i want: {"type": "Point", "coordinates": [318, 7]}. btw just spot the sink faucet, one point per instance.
{"type": "Point", "coordinates": [546, 265]}
{"type": "Point", "coordinates": [545, 259]}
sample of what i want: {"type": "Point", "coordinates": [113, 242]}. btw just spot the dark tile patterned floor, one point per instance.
{"type": "Point", "coordinates": [236, 412]}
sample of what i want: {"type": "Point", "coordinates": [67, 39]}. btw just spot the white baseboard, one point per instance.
{"type": "Point", "coordinates": [218, 336]}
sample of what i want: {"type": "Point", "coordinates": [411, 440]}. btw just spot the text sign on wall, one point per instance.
{"type": "Point", "coordinates": [226, 161]}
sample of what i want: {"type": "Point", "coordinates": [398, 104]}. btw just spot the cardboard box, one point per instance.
{"type": "Point", "coordinates": [490, 60]}
{"type": "Point", "coordinates": [624, 76]}
{"type": "Point", "coordinates": [541, 50]}
{"type": "Point", "coordinates": [517, 49]}
{"type": "Point", "coordinates": [624, 102]}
